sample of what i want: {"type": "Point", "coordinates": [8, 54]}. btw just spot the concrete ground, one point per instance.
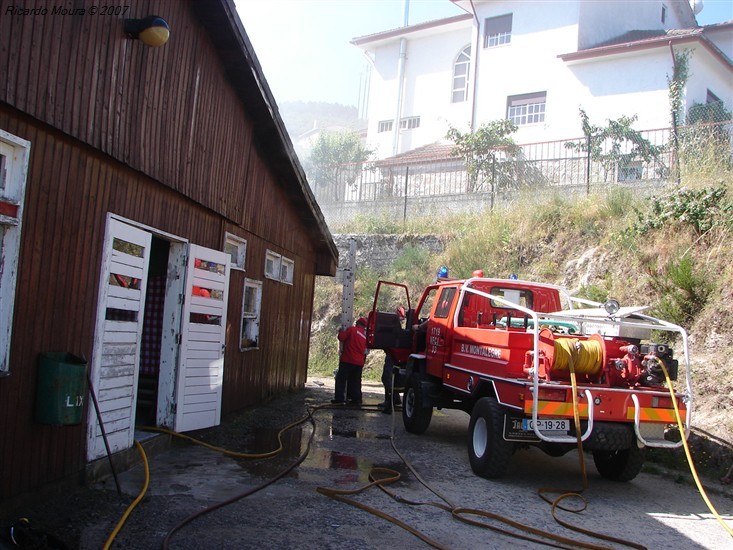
{"type": "Point", "coordinates": [656, 511]}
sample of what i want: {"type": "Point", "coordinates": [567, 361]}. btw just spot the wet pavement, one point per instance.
{"type": "Point", "coordinates": [187, 484]}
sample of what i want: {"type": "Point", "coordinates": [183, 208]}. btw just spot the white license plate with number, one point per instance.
{"type": "Point", "coordinates": [546, 425]}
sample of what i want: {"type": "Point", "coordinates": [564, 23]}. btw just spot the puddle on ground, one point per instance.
{"type": "Point", "coordinates": [349, 469]}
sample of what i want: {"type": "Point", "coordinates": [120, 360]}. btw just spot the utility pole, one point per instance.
{"type": "Point", "coordinates": [346, 276]}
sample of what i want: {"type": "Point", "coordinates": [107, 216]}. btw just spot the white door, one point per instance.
{"type": "Point", "coordinates": [120, 315]}
{"type": "Point", "coordinates": [13, 170]}
{"type": "Point", "coordinates": [200, 374]}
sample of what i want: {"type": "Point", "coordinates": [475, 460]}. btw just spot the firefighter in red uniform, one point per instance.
{"type": "Point", "coordinates": [351, 363]}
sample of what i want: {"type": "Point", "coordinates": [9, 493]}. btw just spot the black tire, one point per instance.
{"type": "Point", "coordinates": [488, 452]}
{"type": "Point", "coordinates": [415, 415]}
{"type": "Point", "coordinates": [619, 465]}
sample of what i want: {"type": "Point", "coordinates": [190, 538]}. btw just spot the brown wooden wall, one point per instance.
{"type": "Point", "coordinates": [158, 136]}
{"type": "Point", "coordinates": [169, 112]}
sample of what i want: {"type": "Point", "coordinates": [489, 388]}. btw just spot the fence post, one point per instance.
{"type": "Point", "coordinates": [404, 209]}
{"type": "Point", "coordinates": [493, 179]}
{"type": "Point", "coordinates": [587, 168]}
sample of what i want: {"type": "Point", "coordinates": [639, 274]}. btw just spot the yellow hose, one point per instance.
{"type": "Point", "coordinates": [700, 488]}
{"type": "Point", "coordinates": [132, 506]}
{"type": "Point", "coordinates": [586, 356]}
{"type": "Point", "coordinates": [235, 454]}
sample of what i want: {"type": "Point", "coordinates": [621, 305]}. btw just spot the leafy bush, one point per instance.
{"type": "Point", "coordinates": [593, 292]}
{"type": "Point", "coordinates": [701, 209]}
{"type": "Point", "coordinates": [683, 291]}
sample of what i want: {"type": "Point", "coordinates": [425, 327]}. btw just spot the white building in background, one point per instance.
{"type": "Point", "coordinates": [537, 63]}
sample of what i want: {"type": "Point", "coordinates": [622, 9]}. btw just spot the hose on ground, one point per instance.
{"type": "Point", "coordinates": [123, 519]}
{"type": "Point", "coordinates": [690, 462]}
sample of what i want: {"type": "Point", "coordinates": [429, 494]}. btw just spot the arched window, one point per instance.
{"type": "Point", "coordinates": [461, 70]}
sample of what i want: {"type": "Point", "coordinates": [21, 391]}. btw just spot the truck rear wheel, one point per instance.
{"type": "Point", "coordinates": [415, 415]}
{"type": "Point", "coordinates": [619, 465]}
{"type": "Point", "coordinates": [488, 452]}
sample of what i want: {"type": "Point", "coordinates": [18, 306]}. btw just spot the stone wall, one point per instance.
{"type": "Point", "coordinates": [379, 251]}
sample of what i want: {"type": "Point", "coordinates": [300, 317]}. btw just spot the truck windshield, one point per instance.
{"type": "Point", "coordinates": [517, 296]}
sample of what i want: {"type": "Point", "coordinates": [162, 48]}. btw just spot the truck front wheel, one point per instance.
{"type": "Point", "coordinates": [415, 415]}
{"type": "Point", "coordinates": [488, 452]}
{"type": "Point", "coordinates": [619, 465]}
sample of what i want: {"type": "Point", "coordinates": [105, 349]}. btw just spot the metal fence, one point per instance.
{"type": "Point", "coordinates": [439, 182]}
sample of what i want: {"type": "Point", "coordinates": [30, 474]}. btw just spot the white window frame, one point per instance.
{"type": "Point", "coordinates": [272, 265]}
{"type": "Point", "coordinates": [12, 194]}
{"type": "Point", "coordinates": [241, 245]}
{"type": "Point", "coordinates": [287, 269]}
{"type": "Point", "coordinates": [384, 126]}
{"type": "Point", "coordinates": [632, 171]}
{"type": "Point", "coordinates": [527, 109]}
{"type": "Point", "coordinates": [501, 34]}
{"type": "Point", "coordinates": [410, 123]}
{"type": "Point", "coordinates": [249, 329]}
{"type": "Point", "coordinates": [461, 76]}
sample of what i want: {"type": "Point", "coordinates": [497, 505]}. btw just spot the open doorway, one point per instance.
{"type": "Point", "coordinates": [152, 334]}
{"type": "Point", "coordinates": [154, 362]}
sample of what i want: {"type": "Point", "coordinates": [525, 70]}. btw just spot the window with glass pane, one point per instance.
{"type": "Point", "coordinates": [526, 108]}
{"type": "Point", "coordinates": [236, 247]}
{"type": "Point", "coordinates": [384, 126]}
{"type": "Point", "coordinates": [251, 304]}
{"type": "Point", "coordinates": [497, 30]}
{"type": "Point", "coordinates": [286, 270]}
{"type": "Point", "coordinates": [272, 265]}
{"type": "Point", "coordinates": [461, 70]}
{"type": "Point", "coordinates": [408, 123]}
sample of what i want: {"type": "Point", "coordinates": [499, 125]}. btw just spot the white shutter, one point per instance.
{"type": "Point", "coordinates": [120, 315]}
{"type": "Point", "coordinates": [201, 368]}
{"type": "Point", "coordinates": [13, 171]}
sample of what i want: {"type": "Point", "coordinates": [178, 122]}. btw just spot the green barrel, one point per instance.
{"type": "Point", "coordinates": [61, 388]}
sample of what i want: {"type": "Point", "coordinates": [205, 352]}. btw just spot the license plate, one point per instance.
{"type": "Point", "coordinates": [546, 425]}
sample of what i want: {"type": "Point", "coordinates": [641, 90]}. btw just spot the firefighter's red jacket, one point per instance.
{"type": "Point", "coordinates": [354, 349]}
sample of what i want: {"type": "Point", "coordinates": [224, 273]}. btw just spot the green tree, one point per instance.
{"type": "Point", "coordinates": [336, 161]}
{"type": "Point", "coordinates": [488, 153]}
{"type": "Point", "coordinates": [615, 145]}
{"type": "Point", "coordinates": [676, 84]}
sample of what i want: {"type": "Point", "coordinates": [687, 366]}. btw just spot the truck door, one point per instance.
{"type": "Point", "coordinates": [438, 336]}
{"type": "Point", "coordinates": [387, 326]}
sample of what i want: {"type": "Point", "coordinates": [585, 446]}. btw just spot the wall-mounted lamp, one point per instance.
{"type": "Point", "coordinates": [152, 30]}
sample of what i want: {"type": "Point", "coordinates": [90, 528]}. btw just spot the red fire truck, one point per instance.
{"type": "Point", "coordinates": [524, 359]}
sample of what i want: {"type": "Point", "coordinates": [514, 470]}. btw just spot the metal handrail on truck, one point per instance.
{"type": "Point", "coordinates": [576, 316]}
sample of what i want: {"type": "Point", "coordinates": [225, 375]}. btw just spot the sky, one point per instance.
{"type": "Point", "coordinates": [304, 45]}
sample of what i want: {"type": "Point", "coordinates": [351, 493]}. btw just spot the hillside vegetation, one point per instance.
{"type": "Point", "coordinates": [670, 251]}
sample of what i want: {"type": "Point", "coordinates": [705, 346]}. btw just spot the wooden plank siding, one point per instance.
{"type": "Point", "coordinates": [163, 137]}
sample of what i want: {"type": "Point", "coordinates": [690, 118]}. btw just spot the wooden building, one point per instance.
{"type": "Point", "coordinates": [154, 221]}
